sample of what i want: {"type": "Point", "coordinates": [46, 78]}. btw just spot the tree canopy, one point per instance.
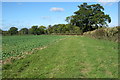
{"type": "Point", "coordinates": [23, 31]}
{"type": "Point", "coordinates": [89, 17]}
{"type": "Point", "coordinates": [13, 30]}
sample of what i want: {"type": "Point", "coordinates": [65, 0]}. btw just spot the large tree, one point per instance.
{"type": "Point", "coordinates": [89, 17]}
{"type": "Point", "coordinates": [13, 30]}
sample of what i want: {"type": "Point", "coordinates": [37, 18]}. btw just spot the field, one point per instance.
{"type": "Point", "coordinates": [17, 45]}
{"type": "Point", "coordinates": [65, 57]}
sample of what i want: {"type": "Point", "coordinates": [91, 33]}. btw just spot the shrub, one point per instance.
{"type": "Point", "coordinates": [105, 33]}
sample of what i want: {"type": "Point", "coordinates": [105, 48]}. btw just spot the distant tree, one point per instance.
{"type": "Point", "coordinates": [89, 17]}
{"type": "Point", "coordinates": [0, 31]}
{"type": "Point", "coordinates": [41, 30]}
{"type": "Point", "coordinates": [77, 30]}
{"type": "Point", "coordinates": [50, 29]}
{"type": "Point", "coordinates": [56, 28]}
{"type": "Point", "coordinates": [33, 30]}
{"type": "Point", "coordinates": [5, 33]}
{"type": "Point", "coordinates": [45, 31]}
{"type": "Point", "coordinates": [59, 28]}
{"type": "Point", "coordinates": [68, 27]}
{"type": "Point", "coordinates": [13, 31]}
{"type": "Point", "coordinates": [37, 30]}
{"type": "Point", "coordinates": [62, 28]}
{"type": "Point", "coordinates": [23, 31]}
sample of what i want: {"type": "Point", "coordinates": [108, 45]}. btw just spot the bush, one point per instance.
{"type": "Point", "coordinates": [105, 33]}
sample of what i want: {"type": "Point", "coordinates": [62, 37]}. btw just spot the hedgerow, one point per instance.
{"type": "Point", "coordinates": [110, 33]}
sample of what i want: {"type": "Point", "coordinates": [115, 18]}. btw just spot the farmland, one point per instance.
{"type": "Point", "coordinates": [65, 57]}
{"type": "Point", "coordinates": [59, 40]}
{"type": "Point", "coordinates": [16, 45]}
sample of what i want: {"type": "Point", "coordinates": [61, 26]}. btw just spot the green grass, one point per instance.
{"type": "Point", "coordinates": [73, 57]}
{"type": "Point", "coordinates": [16, 45]}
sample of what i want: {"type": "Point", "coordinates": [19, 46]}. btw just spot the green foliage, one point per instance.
{"type": "Point", "coordinates": [13, 31]}
{"type": "Point", "coordinates": [0, 31]}
{"type": "Point", "coordinates": [6, 67]}
{"type": "Point", "coordinates": [41, 30]}
{"type": "Point", "coordinates": [16, 45]}
{"type": "Point", "coordinates": [65, 29]}
{"type": "Point", "coordinates": [49, 29]}
{"type": "Point", "coordinates": [89, 17]}
{"type": "Point", "coordinates": [33, 30]}
{"type": "Point", "coordinates": [23, 31]}
{"type": "Point", "coordinates": [104, 33]}
{"type": "Point", "coordinates": [5, 33]}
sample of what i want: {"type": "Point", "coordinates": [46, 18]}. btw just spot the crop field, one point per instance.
{"type": "Point", "coordinates": [70, 57]}
{"type": "Point", "coordinates": [16, 45]}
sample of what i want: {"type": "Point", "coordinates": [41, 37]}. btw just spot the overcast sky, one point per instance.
{"type": "Point", "coordinates": [26, 14]}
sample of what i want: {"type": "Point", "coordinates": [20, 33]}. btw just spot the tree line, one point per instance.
{"type": "Point", "coordinates": [86, 18]}
{"type": "Point", "coordinates": [60, 29]}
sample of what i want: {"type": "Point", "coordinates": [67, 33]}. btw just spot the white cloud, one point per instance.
{"type": "Point", "coordinates": [55, 9]}
{"type": "Point", "coordinates": [45, 17]}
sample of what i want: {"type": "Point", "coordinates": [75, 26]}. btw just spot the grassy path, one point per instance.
{"type": "Point", "coordinates": [74, 57]}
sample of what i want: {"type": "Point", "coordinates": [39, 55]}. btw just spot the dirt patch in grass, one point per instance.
{"type": "Point", "coordinates": [12, 59]}
{"type": "Point", "coordinates": [86, 68]}
{"type": "Point", "coordinates": [109, 73]}
{"type": "Point", "coordinates": [54, 71]}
